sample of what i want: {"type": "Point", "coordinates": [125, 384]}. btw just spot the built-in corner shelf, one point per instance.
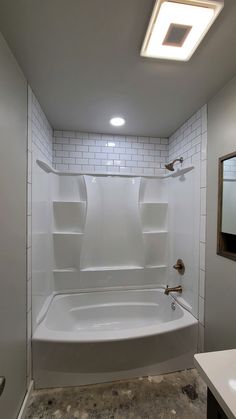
{"type": "Point", "coordinates": [68, 226]}
{"type": "Point", "coordinates": [69, 215]}
{"type": "Point", "coordinates": [154, 218]}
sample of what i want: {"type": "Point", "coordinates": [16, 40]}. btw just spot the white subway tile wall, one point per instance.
{"type": "Point", "coordinates": [91, 152]}
{"type": "Point", "coordinates": [40, 135]}
{"type": "Point", "coordinates": [190, 142]}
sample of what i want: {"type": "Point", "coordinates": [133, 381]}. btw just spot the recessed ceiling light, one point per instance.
{"type": "Point", "coordinates": [177, 27]}
{"type": "Point", "coordinates": [117, 121]}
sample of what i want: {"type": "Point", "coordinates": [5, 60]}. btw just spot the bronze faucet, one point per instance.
{"type": "Point", "coordinates": [173, 289]}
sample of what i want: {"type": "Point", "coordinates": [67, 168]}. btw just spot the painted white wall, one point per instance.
{"type": "Point", "coordinates": [220, 272]}
{"type": "Point", "coordinates": [13, 171]}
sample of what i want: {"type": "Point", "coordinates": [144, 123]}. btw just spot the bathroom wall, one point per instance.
{"type": "Point", "coordinates": [187, 212]}
{"type": "Point", "coordinates": [93, 152]}
{"type": "Point", "coordinates": [220, 272]}
{"type": "Point", "coordinates": [39, 245]}
{"type": "Point", "coordinates": [13, 171]}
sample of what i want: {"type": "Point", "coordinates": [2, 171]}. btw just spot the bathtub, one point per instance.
{"type": "Point", "coordinates": [100, 336]}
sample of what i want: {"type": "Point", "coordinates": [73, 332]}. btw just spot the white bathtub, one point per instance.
{"type": "Point", "coordinates": [100, 336]}
{"type": "Point", "coordinates": [111, 316]}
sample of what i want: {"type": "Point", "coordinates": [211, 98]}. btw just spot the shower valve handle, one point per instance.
{"type": "Point", "coordinates": [179, 266]}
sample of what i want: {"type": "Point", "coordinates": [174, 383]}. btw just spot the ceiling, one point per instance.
{"type": "Point", "coordinates": [81, 57]}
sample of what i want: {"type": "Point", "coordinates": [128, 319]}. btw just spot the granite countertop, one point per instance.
{"type": "Point", "coordinates": [218, 370]}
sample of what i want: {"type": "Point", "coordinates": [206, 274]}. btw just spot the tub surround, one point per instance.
{"type": "Point", "coordinates": [135, 211]}
{"type": "Point", "coordinates": [40, 143]}
{"type": "Point", "coordinates": [190, 142]}
{"type": "Point", "coordinates": [67, 203]}
{"type": "Point", "coordinates": [218, 370]}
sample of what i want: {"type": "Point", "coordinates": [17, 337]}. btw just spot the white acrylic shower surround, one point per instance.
{"type": "Point", "coordinates": [111, 263]}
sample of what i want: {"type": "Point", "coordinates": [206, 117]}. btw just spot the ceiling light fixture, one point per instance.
{"type": "Point", "coordinates": [117, 121]}
{"type": "Point", "coordinates": [177, 27]}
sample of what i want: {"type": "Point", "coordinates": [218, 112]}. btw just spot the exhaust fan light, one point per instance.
{"type": "Point", "coordinates": [177, 27]}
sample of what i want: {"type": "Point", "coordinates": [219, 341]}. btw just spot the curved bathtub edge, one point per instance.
{"type": "Point", "coordinates": [42, 314]}
{"type": "Point", "coordinates": [45, 334]}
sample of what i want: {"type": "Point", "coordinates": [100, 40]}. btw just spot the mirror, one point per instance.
{"type": "Point", "coordinates": [227, 207]}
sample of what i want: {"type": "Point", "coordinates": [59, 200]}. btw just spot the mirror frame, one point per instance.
{"type": "Point", "coordinates": [224, 240]}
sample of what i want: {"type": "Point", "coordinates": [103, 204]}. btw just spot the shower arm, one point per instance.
{"type": "Point", "coordinates": [180, 160]}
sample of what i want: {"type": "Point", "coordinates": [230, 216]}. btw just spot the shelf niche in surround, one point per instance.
{"type": "Point", "coordinates": [153, 216]}
{"type": "Point", "coordinates": [69, 216]}
{"type": "Point", "coordinates": [69, 213]}
{"type": "Point", "coordinates": [67, 248]}
{"type": "Point", "coordinates": [155, 245]}
{"type": "Point", "coordinates": [153, 207]}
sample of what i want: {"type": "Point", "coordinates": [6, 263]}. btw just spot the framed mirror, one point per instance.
{"type": "Point", "coordinates": [226, 237]}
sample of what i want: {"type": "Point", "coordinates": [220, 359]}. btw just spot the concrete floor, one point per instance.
{"type": "Point", "coordinates": [180, 395]}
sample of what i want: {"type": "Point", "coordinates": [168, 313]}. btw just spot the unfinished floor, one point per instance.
{"type": "Point", "coordinates": [181, 395]}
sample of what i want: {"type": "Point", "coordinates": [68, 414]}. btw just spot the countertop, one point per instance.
{"type": "Point", "coordinates": [218, 370]}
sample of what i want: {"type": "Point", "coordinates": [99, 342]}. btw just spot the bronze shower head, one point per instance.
{"type": "Point", "coordinates": [170, 166]}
